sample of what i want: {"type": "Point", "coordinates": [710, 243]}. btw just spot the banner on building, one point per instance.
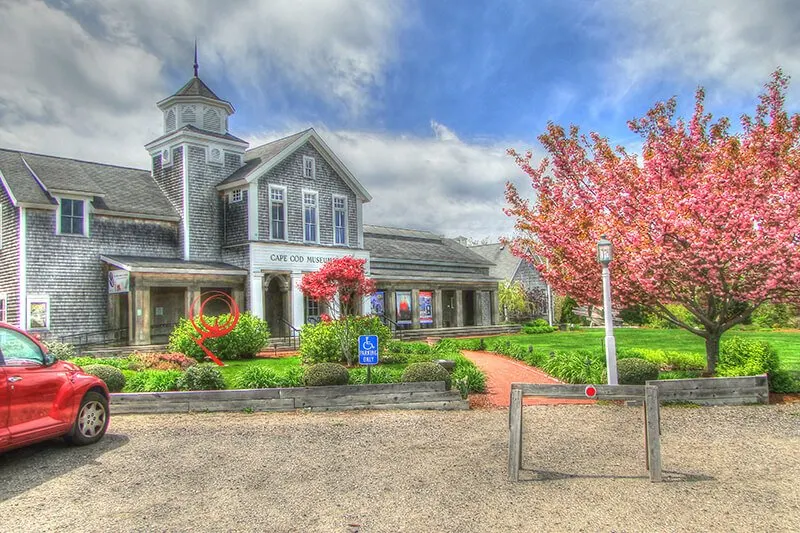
{"type": "Point", "coordinates": [377, 301]}
{"type": "Point", "coordinates": [425, 307]}
{"type": "Point", "coordinates": [403, 307]}
{"type": "Point", "coordinates": [119, 281]}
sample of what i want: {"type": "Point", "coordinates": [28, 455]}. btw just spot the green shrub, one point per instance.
{"type": "Point", "coordinates": [113, 377]}
{"type": "Point", "coordinates": [426, 371]}
{"type": "Point", "coordinates": [784, 382]}
{"type": "Point", "coordinates": [248, 338]}
{"type": "Point", "coordinates": [256, 377]}
{"type": "Point", "coordinates": [60, 350]}
{"type": "Point", "coordinates": [123, 363]}
{"type": "Point", "coordinates": [202, 377]}
{"type": "Point", "coordinates": [666, 360]}
{"type": "Point", "coordinates": [635, 371]}
{"type": "Point", "coordinates": [445, 346]}
{"type": "Point", "coordinates": [580, 366]}
{"type": "Point", "coordinates": [421, 357]}
{"type": "Point", "coordinates": [394, 357]}
{"type": "Point", "coordinates": [472, 345]}
{"type": "Point", "coordinates": [743, 357]}
{"type": "Point", "coordinates": [680, 374]}
{"type": "Point", "coordinates": [680, 312]}
{"type": "Point", "coordinates": [535, 358]}
{"type": "Point", "coordinates": [379, 374]}
{"type": "Point", "coordinates": [321, 343]}
{"type": "Point", "coordinates": [323, 374]}
{"type": "Point", "coordinates": [475, 378]}
{"type": "Point", "coordinates": [537, 326]}
{"type": "Point", "coordinates": [152, 380]}
{"type": "Point", "coordinates": [775, 316]}
{"type": "Point", "coordinates": [293, 377]}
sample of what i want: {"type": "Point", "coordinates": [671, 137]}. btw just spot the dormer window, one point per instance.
{"type": "Point", "coordinates": [72, 219]}
{"type": "Point", "coordinates": [309, 167]}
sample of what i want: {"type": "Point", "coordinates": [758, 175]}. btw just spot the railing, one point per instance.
{"type": "Point", "coordinates": [391, 324]}
{"type": "Point", "coordinates": [294, 335]}
{"type": "Point", "coordinates": [89, 338]}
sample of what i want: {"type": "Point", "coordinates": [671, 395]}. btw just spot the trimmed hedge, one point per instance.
{"type": "Point", "coordinates": [112, 376]}
{"type": "Point", "coordinates": [427, 371]}
{"type": "Point", "coordinates": [326, 374]}
{"type": "Point", "coordinates": [201, 377]}
{"type": "Point", "coordinates": [152, 380]}
{"type": "Point", "coordinates": [635, 371]}
{"type": "Point", "coordinates": [743, 357]}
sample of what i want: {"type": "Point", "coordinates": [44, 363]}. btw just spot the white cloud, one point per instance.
{"type": "Point", "coordinates": [734, 44]}
{"type": "Point", "coordinates": [438, 184]}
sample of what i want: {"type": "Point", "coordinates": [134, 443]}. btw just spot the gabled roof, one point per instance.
{"type": "Point", "coordinates": [415, 246]}
{"type": "Point", "coordinates": [506, 263]}
{"type": "Point", "coordinates": [34, 179]}
{"type": "Point", "coordinates": [261, 159]}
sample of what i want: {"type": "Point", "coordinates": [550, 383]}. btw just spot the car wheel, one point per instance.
{"type": "Point", "coordinates": [92, 420]}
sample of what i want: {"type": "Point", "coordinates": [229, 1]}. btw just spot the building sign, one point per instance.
{"type": "Point", "coordinates": [377, 302]}
{"type": "Point", "coordinates": [425, 307]}
{"type": "Point", "coordinates": [403, 307]}
{"type": "Point", "coordinates": [270, 256]}
{"type": "Point", "coordinates": [119, 281]}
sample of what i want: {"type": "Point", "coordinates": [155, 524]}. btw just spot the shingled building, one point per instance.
{"type": "Point", "coordinates": [88, 247]}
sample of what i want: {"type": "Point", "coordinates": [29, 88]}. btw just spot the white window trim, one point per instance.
{"type": "Point", "coordinates": [316, 213]}
{"type": "Point", "coordinates": [86, 205]}
{"type": "Point", "coordinates": [285, 213]}
{"type": "Point", "coordinates": [165, 163]}
{"type": "Point", "coordinates": [346, 219]}
{"type": "Point", "coordinates": [1, 226]}
{"type": "Point", "coordinates": [233, 198]}
{"type": "Point", "coordinates": [313, 167]}
{"type": "Point", "coordinates": [4, 299]}
{"type": "Point", "coordinates": [32, 299]}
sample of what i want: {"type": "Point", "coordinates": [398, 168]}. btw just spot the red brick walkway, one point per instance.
{"type": "Point", "coordinates": [500, 372]}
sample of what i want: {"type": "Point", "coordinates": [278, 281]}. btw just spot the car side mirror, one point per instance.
{"type": "Point", "coordinates": [49, 359]}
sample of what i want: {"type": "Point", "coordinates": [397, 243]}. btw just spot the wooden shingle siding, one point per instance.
{"type": "Point", "coordinates": [68, 268]}
{"type": "Point", "coordinates": [170, 181]}
{"type": "Point", "coordinates": [9, 257]}
{"type": "Point", "coordinates": [289, 173]}
{"type": "Point", "coordinates": [236, 220]}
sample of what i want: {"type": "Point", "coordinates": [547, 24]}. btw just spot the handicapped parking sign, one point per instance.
{"type": "Point", "coordinates": [368, 349]}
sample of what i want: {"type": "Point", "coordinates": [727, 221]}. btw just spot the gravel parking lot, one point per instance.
{"type": "Point", "coordinates": [727, 469]}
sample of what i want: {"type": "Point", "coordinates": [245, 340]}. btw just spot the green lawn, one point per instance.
{"type": "Point", "coordinates": [281, 365]}
{"type": "Point", "coordinates": [787, 343]}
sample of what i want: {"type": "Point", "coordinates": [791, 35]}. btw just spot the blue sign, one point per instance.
{"type": "Point", "coordinates": [368, 349]}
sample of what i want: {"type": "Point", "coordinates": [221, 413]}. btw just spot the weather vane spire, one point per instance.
{"type": "Point", "coordinates": [195, 58]}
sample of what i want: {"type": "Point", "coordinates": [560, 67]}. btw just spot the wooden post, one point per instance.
{"type": "Point", "coordinates": [515, 436]}
{"type": "Point", "coordinates": [652, 426]}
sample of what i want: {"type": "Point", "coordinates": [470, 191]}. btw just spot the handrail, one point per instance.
{"type": "Point", "coordinates": [388, 322]}
{"type": "Point", "coordinates": [82, 340]}
{"type": "Point", "coordinates": [294, 334]}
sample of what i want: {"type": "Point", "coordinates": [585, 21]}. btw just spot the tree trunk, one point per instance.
{"type": "Point", "coordinates": [712, 351]}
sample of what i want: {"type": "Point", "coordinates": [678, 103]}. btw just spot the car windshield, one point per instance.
{"type": "Point", "coordinates": [18, 350]}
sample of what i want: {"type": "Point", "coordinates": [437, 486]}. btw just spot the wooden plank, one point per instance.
{"type": "Point", "coordinates": [653, 424]}
{"type": "Point", "coordinates": [211, 395]}
{"type": "Point", "coordinates": [708, 383]}
{"type": "Point", "coordinates": [341, 390]}
{"type": "Point", "coordinates": [368, 399]}
{"type": "Point", "coordinates": [149, 407]}
{"type": "Point", "coordinates": [447, 405]}
{"type": "Point", "coordinates": [695, 394]}
{"type": "Point", "coordinates": [604, 392]}
{"type": "Point", "coordinates": [515, 435]}
{"type": "Point", "coordinates": [272, 404]}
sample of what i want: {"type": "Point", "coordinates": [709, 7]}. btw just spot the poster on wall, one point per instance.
{"type": "Point", "coordinates": [119, 281]}
{"type": "Point", "coordinates": [425, 307]}
{"type": "Point", "coordinates": [403, 307]}
{"type": "Point", "coordinates": [377, 303]}
{"type": "Point", "coordinates": [38, 315]}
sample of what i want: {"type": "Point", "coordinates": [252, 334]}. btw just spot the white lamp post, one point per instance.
{"type": "Point", "coordinates": [604, 255]}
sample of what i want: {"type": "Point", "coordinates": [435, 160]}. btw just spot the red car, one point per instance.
{"type": "Point", "coordinates": [42, 398]}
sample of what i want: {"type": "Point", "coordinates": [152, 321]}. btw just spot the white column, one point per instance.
{"type": "Point", "coordinates": [608, 318]}
{"type": "Point", "coordinates": [255, 304]}
{"type": "Point", "coordinates": [298, 313]}
{"type": "Point", "coordinates": [366, 305]}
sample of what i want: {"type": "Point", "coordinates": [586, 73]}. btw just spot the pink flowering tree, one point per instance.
{"type": "Point", "coordinates": [340, 284]}
{"type": "Point", "coordinates": [706, 218]}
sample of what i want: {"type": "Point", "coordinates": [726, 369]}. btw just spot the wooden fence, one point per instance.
{"type": "Point", "coordinates": [704, 391]}
{"type": "Point", "coordinates": [426, 395]}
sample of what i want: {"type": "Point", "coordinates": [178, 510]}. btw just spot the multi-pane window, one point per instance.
{"type": "Point", "coordinates": [277, 210]}
{"type": "Point", "coordinates": [72, 216]}
{"type": "Point", "coordinates": [312, 310]}
{"type": "Point", "coordinates": [309, 167]}
{"type": "Point", "coordinates": [236, 195]}
{"type": "Point", "coordinates": [339, 220]}
{"type": "Point", "coordinates": [310, 216]}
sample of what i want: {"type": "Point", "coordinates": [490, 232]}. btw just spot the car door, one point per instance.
{"type": "Point", "coordinates": [5, 403]}
{"type": "Point", "coordinates": [34, 388]}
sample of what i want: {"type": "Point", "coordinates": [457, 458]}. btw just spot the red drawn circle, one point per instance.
{"type": "Point", "coordinates": [216, 328]}
{"type": "Point", "coordinates": [590, 391]}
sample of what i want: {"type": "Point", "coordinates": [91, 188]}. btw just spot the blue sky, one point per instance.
{"type": "Point", "coordinates": [419, 98]}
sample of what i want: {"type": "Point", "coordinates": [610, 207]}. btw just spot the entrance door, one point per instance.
{"type": "Point", "coordinates": [449, 309]}
{"type": "Point", "coordinates": [274, 300]}
{"type": "Point", "coordinates": [469, 308]}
